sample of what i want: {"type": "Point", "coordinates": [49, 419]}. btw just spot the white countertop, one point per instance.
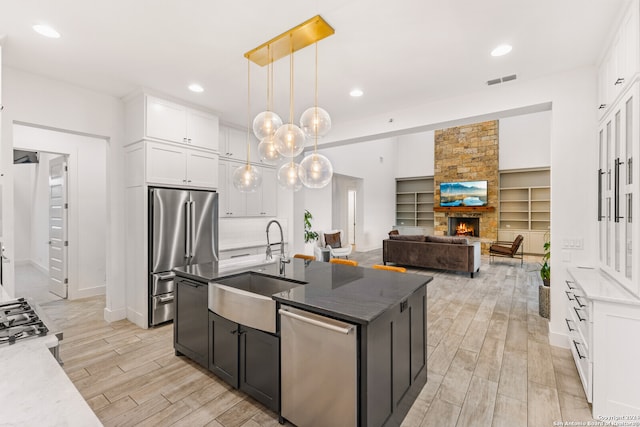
{"type": "Point", "coordinates": [36, 391]}
{"type": "Point", "coordinates": [597, 285]}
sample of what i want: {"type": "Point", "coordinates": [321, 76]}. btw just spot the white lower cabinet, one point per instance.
{"type": "Point", "coordinates": [175, 165]}
{"type": "Point", "coordinates": [603, 323]}
{"type": "Point", "coordinates": [233, 203]}
{"type": "Point", "coordinates": [533, 242]}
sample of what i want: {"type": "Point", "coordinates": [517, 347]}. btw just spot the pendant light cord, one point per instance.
{"type": "Point", "coordinates": [248, 111]}
{"type": "Point", "coordinates": [315, 110]}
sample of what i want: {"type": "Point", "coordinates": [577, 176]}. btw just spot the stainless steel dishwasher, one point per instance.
{"type": "Point", "coordinates": [319, 369]}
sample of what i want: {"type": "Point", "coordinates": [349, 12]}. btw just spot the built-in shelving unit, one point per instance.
{"type": "Point", "coordinates": [414, 203]}
{"type": "Point", "coordinates": [525, 207]}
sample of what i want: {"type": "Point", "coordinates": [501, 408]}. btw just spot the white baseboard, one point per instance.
{"type": "Point", "coordinates": [137, 318]}
{"type": "Point", "coordinates": [114, 315]}
{"type": "Point", "coordinates": [87, 292]}
{"type": "Point", "coordinates": [558, 340]}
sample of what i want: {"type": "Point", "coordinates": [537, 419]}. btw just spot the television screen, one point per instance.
{"type": "Point", "coordinates": [467, 193]}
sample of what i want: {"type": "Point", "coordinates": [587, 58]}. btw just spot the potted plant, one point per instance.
{"type": "Point", "coordinates": [309, 235]}
{"type": "Point", "coordinates": [544, 299]}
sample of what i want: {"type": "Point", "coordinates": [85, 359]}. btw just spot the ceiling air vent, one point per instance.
{"type": "Point", "coordinates": [501, 80]}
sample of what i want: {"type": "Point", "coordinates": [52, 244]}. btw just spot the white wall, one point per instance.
{"type": "Point", "coordinates": [32, 99]}
{"type": "Point", "coordinates": [86, 189]}
{"type": "Point", "coordinates": [415, 155]}
{"type": "Point", "coordinates": [22, 201]}
{"type": "Point", "coordinates": [525, 141]}
{"type": "Point", "coordinates": [374, 162]}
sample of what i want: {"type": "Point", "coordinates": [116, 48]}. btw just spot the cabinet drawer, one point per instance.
{"type": "Point", "coordinates": [583, 364]}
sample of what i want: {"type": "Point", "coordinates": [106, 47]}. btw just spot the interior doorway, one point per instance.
{"type": "Point", "coordinates": [351, 217]}
{"type": "Point", "coordinates": [40, 224]}
{"type": "Point", "coordinates": [68, 251]}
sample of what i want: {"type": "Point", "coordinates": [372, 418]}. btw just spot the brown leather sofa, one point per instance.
{"type": "Point", "coordinates": [438, 252]}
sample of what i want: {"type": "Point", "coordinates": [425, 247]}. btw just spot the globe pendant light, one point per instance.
{"type": "Point", "coordinates": [316, 169]}
{"type": "Point", "coordinates": [247, 178]}
{"type": "Point", "coordinates": [267, 150]}
{"type": "Point", "coordinates": [289, 137]}
{"type": "Point", "coordinates": [315, 121]}
{"type": "Point", "coordinates": [289, 176]}
{"type": "Point", "coordinates": [266, 123]}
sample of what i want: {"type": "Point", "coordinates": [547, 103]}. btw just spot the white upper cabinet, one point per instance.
{"type": "Point", "coordinates": [202, 129]}
{"type": "Point", "coordinates": [169, 164]}
{"type": "Point", "coordinates": [233, 144]}
{"type": "Point", "coordinates": [149, 117]}
{"type": "Point", "coordinates": [621, 61]}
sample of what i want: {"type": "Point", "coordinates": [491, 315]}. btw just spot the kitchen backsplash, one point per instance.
{"type": "Point", "coordinates": [247, 232]}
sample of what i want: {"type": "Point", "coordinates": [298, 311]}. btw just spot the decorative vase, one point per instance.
{"type": "Point", "coordinates": [544, 301]}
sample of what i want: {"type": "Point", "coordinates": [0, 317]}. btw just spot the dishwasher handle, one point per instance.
{"type": "Point", "coordinates": [316, 322]}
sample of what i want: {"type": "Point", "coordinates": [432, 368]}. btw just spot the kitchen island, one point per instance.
{"type": "Point", "coordinates": [385, 316]}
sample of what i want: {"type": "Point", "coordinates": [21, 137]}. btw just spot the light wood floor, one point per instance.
{"type": "Point", "coordinates": [489, 362]}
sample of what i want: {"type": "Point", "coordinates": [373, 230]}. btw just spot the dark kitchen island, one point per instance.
{"type": "Point", "coordinates": [386, 316]}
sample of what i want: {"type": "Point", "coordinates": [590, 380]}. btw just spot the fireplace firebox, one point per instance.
{"type": "Point", "coordinates": [464, 226]}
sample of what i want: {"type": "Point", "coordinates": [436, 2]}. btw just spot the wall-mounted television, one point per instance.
{"type": "Point", "coordinates": [463, 193]}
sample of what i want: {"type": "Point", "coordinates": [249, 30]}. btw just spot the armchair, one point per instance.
{"type": "Point", "coordinates": [508, 249]}
{"type": "Point", "coordinates": [334, 240]}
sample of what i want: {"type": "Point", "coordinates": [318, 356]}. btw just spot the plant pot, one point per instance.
{"type": "Point", "coordinates": [544, 301]}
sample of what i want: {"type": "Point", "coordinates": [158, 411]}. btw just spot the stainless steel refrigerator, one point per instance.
{"type": "Point", "coordinates": [183, 230]}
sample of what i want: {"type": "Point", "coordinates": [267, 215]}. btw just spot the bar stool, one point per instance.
{"type": "Point", "coordinates": [305, 257]}
{"type": "Point", "coordinates": [344, 262]}
{"type": "Point", "coordinates": [390, 268]}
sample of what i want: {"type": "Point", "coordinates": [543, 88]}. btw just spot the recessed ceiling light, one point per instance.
{"type": "Point", "coordinates": [356, 93]}
{"type": "Point", "coordinates": [47, 31]}
{"type": "Point", "coordinates": [196, 88]}
{"type": "Point", "coordinates": [503, 49]}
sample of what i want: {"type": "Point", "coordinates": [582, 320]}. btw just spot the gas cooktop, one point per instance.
{"type": "Point", "coordinates": [19, 320]}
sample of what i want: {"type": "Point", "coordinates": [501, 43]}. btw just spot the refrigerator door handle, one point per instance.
{"type": "Point", "coordinates": [187, 234]}
{"type": "Point", "coordinates": [192, 232]}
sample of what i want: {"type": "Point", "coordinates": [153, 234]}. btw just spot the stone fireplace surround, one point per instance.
{"type": "Point", "coordinates": [468, 153]}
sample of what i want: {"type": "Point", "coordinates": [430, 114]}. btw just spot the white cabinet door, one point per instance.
{"type": "Point", "coordinates": [269, 192]}
{"type": "Point", "coordinates": [202, 169]}
{"type": "Point", "coordinates": [202, 129]}
{"type": "Point", "coordinates": [166, 120]}
{"type": "Point", "coordinates": [263, 201]}
{"type": "Point", "coordinates": [232, 203]}
{"type": "Point", "coordinates": [236, 144]}
{"type": "Point", "coordinates": [166, 164]}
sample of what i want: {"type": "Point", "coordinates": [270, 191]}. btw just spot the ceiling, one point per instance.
{"type": "Point", "coordinates": [400, 53]}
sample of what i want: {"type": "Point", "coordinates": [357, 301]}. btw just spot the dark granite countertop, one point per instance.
{"type": "Point", "coordinates": [354, 294]}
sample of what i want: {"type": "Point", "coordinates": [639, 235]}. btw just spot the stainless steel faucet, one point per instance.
{"type": "Point", "coordinates": [283, 261]}
{"type": "Point", "coordinates": [269, 256]}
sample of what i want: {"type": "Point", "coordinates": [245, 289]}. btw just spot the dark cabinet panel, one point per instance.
{"type": "Point", "coordinates": [246, 358]}
{"type": "Point", "coordinates": [418, 307]}
{"type": "Point", "coordinates": [260, 366]}
{"type": "Point", "coordinates": [394, 360]}
{"type": "Point", "coordinates": [223, 352]}
{"type": "Point", "coordinates": [401, 352]}
{"type": "Point", "coordinates": [191, 322]}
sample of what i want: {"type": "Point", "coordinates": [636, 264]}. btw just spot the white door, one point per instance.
{"type": "Point", "coordinates": [58, 282]}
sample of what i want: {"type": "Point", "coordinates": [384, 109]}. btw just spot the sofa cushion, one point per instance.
{"type": "Point", "coordinates": [408, 237]}
{"type": "Point", "coordinates": [394, 233]}
{"type": "Point", "coordinates": [455, 240]}
{"type": "Point", "coordinates": [333, 240]}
